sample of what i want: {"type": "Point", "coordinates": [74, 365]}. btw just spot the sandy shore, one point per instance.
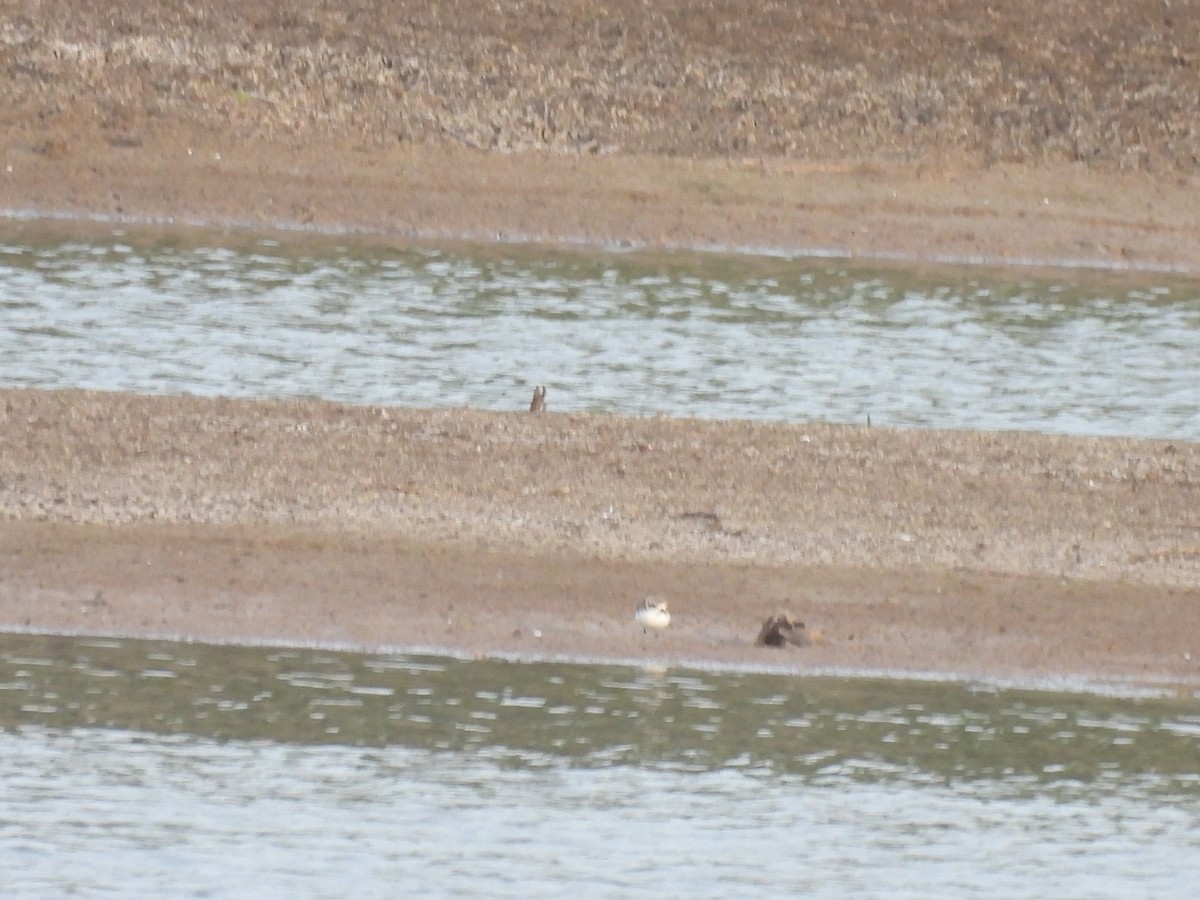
{"type": "Point", "coordinates": [1001, 556]}
{"type": "Point", "coordinates": [869, 128]}
{"type": "Point", "coordinates": [1051, 215]}
{"type": "Point", "coordinates": [872, 130]}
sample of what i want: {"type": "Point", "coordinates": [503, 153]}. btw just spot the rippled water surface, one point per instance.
{"type": "Point", "coordinates": [712, 337]}
{"type": "Point", "coordinates": [147, 769]}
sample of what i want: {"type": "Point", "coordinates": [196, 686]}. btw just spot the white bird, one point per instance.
{"type": "Point", "coordinates": [652, 613]}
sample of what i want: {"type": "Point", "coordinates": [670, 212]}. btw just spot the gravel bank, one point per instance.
{"type": "Point", "coordinates": [994, 555]}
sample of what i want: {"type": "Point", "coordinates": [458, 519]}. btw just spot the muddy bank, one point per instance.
{"type": "Point", "coordinates": [990, 555]}
{"type": "Point", "coordinates": [869, 128]}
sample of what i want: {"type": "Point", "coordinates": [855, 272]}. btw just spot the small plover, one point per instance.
{"type": "Point", "coordinates": [652, 613]}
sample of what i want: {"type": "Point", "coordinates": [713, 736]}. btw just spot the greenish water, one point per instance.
{"type": "Point", "coordinates": [147, 769]}
{"type": "Point", "coordinates": [597, 715]}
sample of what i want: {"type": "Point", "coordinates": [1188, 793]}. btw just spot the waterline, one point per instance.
{"type": "Point", "coordinates": [711, 338]}
{"type": "Point", "coordinates": [149, 768]}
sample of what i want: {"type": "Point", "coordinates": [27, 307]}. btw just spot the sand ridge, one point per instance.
{"type": "Point", "coordinates": [870, 128]}
{"type": "Point", "coordinates": [919, 551]}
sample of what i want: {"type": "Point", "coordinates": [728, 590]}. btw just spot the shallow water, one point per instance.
{"type": "Point", "coordinates": [145, 768]}
{"type": "Point", "coordinates": [684, 335]}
